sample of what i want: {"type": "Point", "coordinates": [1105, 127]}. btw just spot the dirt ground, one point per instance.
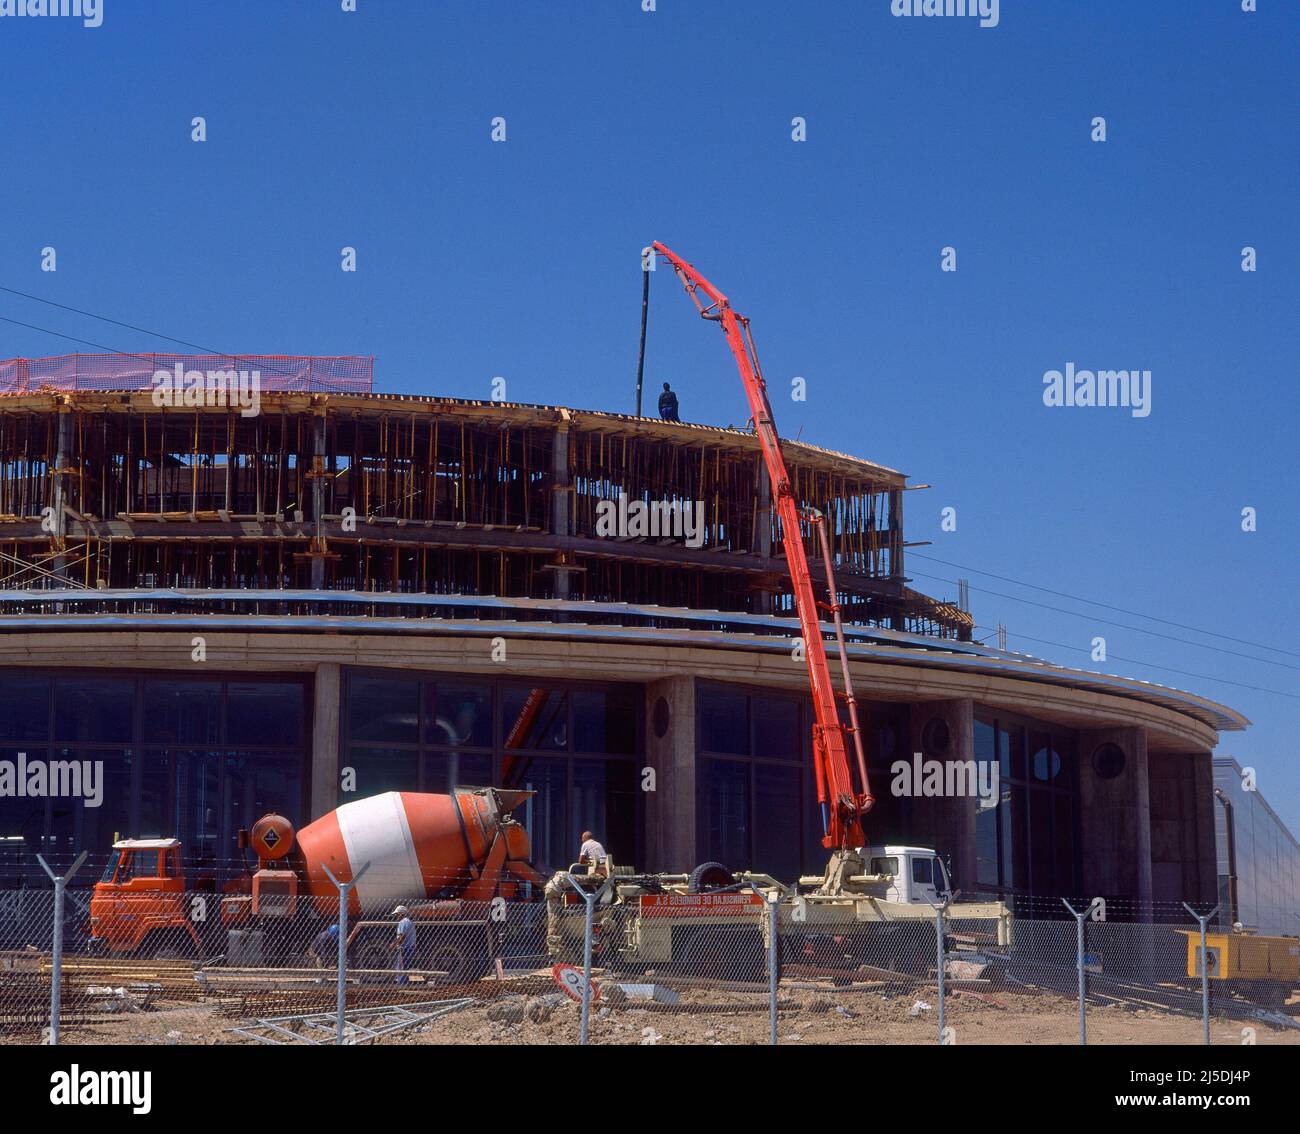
{"type": "Point", "coordinates": [808, 1016]}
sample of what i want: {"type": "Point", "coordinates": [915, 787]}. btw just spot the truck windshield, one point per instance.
{"type": "Point", "coordinates": [113, 860]}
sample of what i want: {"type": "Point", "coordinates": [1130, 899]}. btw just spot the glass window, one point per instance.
{"type": "Point", "coordinates": [182, 712]}
{"type": "Point", "coordinates": [535, 718]}
{"type": "Point", "coordinates": [445, 772]}
{"type": "Point", "coordinates": [724, 721]}
{"type": "Point", "coordinates": [923, 871]}
{"type": "Point", "coordinates": [776, 819]}
{"type": "Point", "coordinates": [264, 714]}
{"type": "Point", "coordinates": [94, 710]}
{"type": "Point", "coordinates": [604, 802]}
{"type": "Point", "coordinates": [23, 826]}
{"type": "Point", "coordinates": [257, 783]}
{"type": "Point", "coordinates": [724, 811]}
{"type": "Point", "coordinates": [377, 770]}
{"type": "Point", "coordinates": [885, 865]}
{"type": "Point", "coordinates": [605, 721]}
{"type": "Point", "coordinates": [776, 728]}
{"type": "Point", "coordinates": [461, 715]}
{"type": "Point", "coordinates": [383, 709]}
{"type": "Point", "coordinates": [24, 708]}
{"type": "Point", "coordinates": [92, 808]}
{"type": "Point", "coordinates": [543, 815]}
{"type": "Point", "coordinates": [180, 798]}
{"type": "Point", "coordinates": [1045, 763]}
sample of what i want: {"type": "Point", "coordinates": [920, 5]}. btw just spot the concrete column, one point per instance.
{"type": "Point", "coordinates": [946, 823]}
{"type": "Point", "coordinates": [670, 751]}
{"type": "Point", "coordinates": [1116, 818]}
{"type": "Point", "coordinates": [325, 739]}
{"type": "Point", "coordinates": [1184, 865]}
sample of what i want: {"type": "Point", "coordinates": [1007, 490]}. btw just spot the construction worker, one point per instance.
{"type": "Point", "coordinates": [324, 946]}
{"type": "Point", "coordinates": [404, 944]}
{"type": "Point", "coordinates": [668, 404]}
{"type": "Point", "coordinates": [591, 853]}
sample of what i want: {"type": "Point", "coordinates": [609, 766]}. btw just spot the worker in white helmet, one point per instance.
{"type": "Point", "coordinates": [404, 943]}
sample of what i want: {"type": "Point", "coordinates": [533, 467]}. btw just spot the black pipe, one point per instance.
{"type": "Point", "coordinates": [645, 313]}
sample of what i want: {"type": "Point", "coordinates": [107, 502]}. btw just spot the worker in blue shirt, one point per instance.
{"type": "Point", "coordinates": [668, 404]}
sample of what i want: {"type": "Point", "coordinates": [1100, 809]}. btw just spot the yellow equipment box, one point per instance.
{"type": "Point", "coordinates": [1244, 956]}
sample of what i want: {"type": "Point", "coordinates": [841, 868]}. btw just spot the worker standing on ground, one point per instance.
{"type": "Point", "coordinates": [326, 939]}
{"type": "Point", "coordinates": [591, 853]}
{"type": "Point", "coordinates": [668, 404]}
{"type": "Point", "coordinates": [404, 945]}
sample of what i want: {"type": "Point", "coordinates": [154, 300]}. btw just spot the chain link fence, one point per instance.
{"type": "Point", "coordinates": [582, 962]}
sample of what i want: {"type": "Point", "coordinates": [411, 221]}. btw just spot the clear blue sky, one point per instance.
{"type": "Point", "coordinates": [519, 259]}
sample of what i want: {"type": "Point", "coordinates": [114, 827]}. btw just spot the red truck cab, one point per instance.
{"type": "Point", "coordinates": [139, 906]}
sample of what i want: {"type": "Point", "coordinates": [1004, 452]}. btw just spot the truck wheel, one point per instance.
{"type": "Point", "coordinates": [709, 876]}
{"type": "Point", "coordinates": [372, 955]}
{"type": "Point", "coordinates": [459, 966]}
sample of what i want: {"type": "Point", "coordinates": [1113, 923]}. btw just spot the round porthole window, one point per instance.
{"type": "Point", "coordinates": [1108, 761]}
{"type": "Point", "coordinates": [661, 717]}
{"type": "Point", "coordinates": [935, 737]}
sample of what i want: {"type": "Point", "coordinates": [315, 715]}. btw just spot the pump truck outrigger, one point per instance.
{"type": "Point", "coordinates": [644, 916]}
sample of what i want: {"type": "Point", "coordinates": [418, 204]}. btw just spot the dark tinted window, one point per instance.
{"type": "Point", "coordinates": [182, 712]}
{"type": "Point", "coordinates": [94, 709]}
{"type": "Point", "coordinates": [24, 708]}
{"type": "Point", "coordinates": [724, 721]}
{"type": "Point", "coordinates": [383, 709]}
{"type": "Point", "coordinates": [264, 714]}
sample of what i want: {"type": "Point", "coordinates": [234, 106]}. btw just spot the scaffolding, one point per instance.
{"type": "Point", "coordinates": [383, 493]}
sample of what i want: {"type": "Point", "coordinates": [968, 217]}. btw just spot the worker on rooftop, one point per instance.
{"type": "Point", "coordinates": [668, 404]}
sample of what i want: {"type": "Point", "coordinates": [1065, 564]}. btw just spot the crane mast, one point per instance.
{"type": "Point", "coordinates": [842, 804]}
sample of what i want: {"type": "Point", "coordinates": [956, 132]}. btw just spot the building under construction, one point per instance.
{"type": "Point", "coordinates": [344, 591]}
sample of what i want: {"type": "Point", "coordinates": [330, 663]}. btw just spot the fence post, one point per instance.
{"type": "Point", "coordinates": [341, 1001]}
{"type": "Point", "coordinates": [588, 933]}
{"type": "Point", "coordinates": [56, 974]}
{"type": "Point", "coordinates": [1205, 971]}
{"type": "Point", "coordinates": [772, 962]}
{"type": "Point", "coordinates": [941, 908]}
{"type": "Point", "coordinates": [1078, 963]}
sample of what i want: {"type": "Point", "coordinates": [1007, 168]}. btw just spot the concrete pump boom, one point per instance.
{"type": "Point", "coordinates": [842, 806]}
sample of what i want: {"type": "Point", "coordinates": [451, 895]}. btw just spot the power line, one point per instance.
{"type": "Point", "coordinates": [1152, 665]}
{"type": "Point", "coordinates": [1109, 622]}
{"type": "Point", "coordinates": [1106, 605]}
{"type": "Point", "coordinates": [116, 323]}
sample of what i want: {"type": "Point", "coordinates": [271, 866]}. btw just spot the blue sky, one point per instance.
{"type": "Point", "coordinates": [520, 259]}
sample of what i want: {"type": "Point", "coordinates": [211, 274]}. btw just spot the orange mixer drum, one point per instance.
{"type": "Point", "coordinates": [416, 844]}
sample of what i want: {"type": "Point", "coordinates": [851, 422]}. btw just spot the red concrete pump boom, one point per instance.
{"type": "Point", "coordinates": [842, 806]}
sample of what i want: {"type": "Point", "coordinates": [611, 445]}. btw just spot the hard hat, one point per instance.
{"type": "Point", "coordinates": [333, 931]}
{"type": "Point", "coordinates": [400, 911]}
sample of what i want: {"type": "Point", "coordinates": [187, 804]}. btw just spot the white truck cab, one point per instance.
{"type": "Point", "coordinates": [916, 874]}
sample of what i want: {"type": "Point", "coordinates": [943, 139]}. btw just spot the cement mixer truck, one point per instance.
{"type": "Point", "coordinates": [446, 857]}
